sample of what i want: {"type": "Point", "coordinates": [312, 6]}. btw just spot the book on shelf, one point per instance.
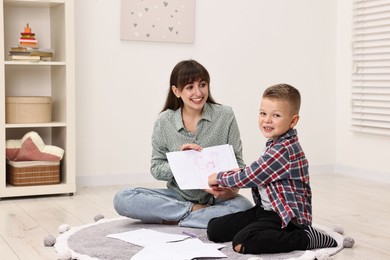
{"type": "Point", "coordinates": [29, 51]}
{"type": "Point", "coordinates": [27, 48]}
{"type": "Point", "coordinates": [29, 58]}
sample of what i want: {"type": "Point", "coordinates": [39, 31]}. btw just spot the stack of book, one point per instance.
{"type": "Point", "coordinates": [28, 48]}
{"type": "Point", "coordinates": [31, 54]}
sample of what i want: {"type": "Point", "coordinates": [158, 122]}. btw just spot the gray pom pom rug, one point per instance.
{"type": "Point", "coordinates": [90, 242]}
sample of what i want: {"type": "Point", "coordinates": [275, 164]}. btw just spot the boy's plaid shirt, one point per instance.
{"type": "Point", "coordinates": [283, 171]}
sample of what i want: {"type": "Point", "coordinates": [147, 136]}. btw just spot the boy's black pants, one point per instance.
{"type": "Point", "coordinates": [258, 231]}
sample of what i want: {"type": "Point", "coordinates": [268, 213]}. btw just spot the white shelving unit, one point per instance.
{"type": "Point", "coordinates": [52, 21]}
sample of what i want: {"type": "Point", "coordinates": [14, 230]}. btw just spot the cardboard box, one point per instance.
{"type": "Point", "coordinates": [24, 110]}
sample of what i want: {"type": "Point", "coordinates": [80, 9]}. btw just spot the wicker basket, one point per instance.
{"type": "Point", "coordinates": [33, 173]}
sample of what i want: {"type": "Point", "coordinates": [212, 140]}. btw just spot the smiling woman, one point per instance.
{"type": "Point", "coordinates": [194, 94]}
{"type": "Point", "coordinates": [190, 119]}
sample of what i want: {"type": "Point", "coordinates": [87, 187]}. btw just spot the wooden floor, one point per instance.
{"type": "Point", "coordinates": [362, 208]}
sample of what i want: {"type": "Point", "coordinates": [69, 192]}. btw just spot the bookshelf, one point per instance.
{"type": "Point", "coordinates": [53, 23]}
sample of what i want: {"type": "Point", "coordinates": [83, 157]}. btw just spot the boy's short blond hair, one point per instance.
{"type": "Point", "coordinates": [285, 92]}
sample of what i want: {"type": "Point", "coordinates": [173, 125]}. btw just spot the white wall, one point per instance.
{"type": "Point", "coordinates": [246, 46]}
{"type": "Point", "coordinates": [357, 154]}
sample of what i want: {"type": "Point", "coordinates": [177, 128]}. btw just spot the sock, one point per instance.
{"type": "Point", "coordinates": [318, 239]}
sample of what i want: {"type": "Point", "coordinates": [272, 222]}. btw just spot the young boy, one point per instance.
{"type": "Point", "coordinates": [281, 219]}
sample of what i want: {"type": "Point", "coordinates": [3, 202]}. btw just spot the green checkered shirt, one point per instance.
{"type": "Point", "coordinates": [217, 126]}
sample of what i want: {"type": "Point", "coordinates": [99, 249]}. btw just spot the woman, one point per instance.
{"type": "Point", "coordinates": [190, 119]}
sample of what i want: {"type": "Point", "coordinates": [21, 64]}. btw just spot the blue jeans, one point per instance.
{"type": "Point", "coordinates": [156, 205]}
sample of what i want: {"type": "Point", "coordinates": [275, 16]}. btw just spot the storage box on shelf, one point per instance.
{"type": "Point", "coordinates": [31, 162]}
{"type": "Point", "coordinates": [33, 173]}
{"type": "Point", "coordinates": [53, 24]}
{"type": "Point", "coordinates": [23, 110]}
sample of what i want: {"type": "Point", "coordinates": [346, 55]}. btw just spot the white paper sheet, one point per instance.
{"type": "Point", "coordinates": [144, 237]}
{"type": "Point", "coordinates": [192, 168]}
{"type": "Point", "coordinates": [183, 250]}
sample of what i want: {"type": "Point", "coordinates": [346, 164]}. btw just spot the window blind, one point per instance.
{"type": "Point", "coordinates": [371, 66]}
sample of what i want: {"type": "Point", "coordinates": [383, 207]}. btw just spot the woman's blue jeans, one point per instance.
{"type": "Point", "coordinates": [156, 205]}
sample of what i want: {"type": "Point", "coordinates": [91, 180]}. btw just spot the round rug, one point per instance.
{"type": "Point", "coordinates": [90, 242]}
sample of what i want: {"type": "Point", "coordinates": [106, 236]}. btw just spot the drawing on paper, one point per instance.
{"type": "Point", "coordinates": [191, 169]}
{"type": "Point", "coordinates": [160, 21]}
{"type": "Point", "coordinates": [206, 164]}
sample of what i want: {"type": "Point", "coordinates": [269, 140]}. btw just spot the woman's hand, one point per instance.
{"type": "Point", "coordinates": [195, 147]}
{"type": "Point", "coordinates": [224, 193]}
{"type": "Point", "coordinates": [220, 192]}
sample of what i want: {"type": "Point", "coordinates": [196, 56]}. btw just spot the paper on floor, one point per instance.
{"type": "Point", "coordinates": [144, 237]}
{"type": "Point", "coordinates": [183, 250]}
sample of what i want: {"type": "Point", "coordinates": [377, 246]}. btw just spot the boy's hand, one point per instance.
{"type": "Point", "coordinates": [212, 180]}
{"type": "Point", "coordinates": [220, 192]}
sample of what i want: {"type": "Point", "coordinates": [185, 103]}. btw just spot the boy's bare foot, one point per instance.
{"type": "Point", "coordinates": [199, 206]}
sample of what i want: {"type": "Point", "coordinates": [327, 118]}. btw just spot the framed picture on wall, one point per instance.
{"type": "Point", "coordinates": [158, 21]}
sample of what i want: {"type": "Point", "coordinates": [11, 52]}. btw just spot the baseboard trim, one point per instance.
{"type": "Point", "coordinates": [117, 179]}
{"type": "Point", "coordinates": [367, 174]}
{"type": "Point", "coordinates": [323, 168]}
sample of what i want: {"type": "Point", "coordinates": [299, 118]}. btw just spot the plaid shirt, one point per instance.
{"type": "Point", "coordinates": [283, 171]}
